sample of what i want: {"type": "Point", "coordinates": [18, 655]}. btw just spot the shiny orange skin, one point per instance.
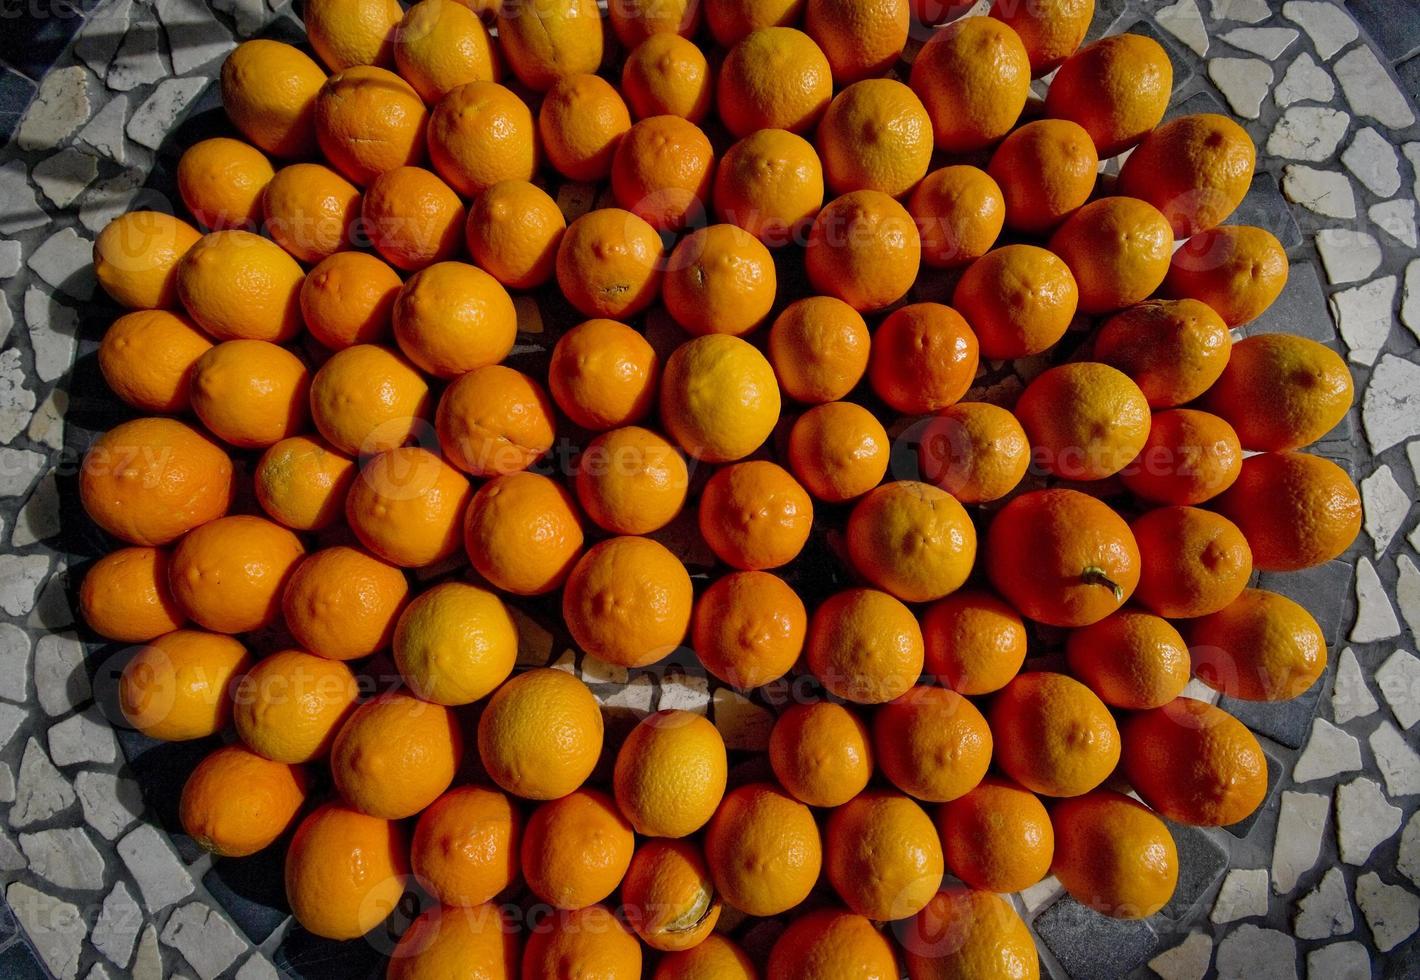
{"type": "Point", "coordinates": [540, 734]}
{"type": "Point", "coordinates": [1195, 169]}
{"type": "Point", "coordinates": [865, 646]}
{"type": "Point", "coordinates": [773, 78]}
{"type": "Point", "coordinates": [1260, 647]}
{"type": "Point", "coordinates": [1192, 562]}
{"type": "Point", "coordinates": [1117, 88]}
{"type": "Point", "coordinates": [1237, 270]}
{"type": "Point", "coordinates": [748, 628]}
{"type": "Point", "coordinates": [481, 133]}
{"type": "Point", "coordinates": [369, 120]}
{"type": "Point", "coordinates": [1018, 299]}
{"type": "Point", "coordinates": [228, 575]}
{"type": "Point", "coordinates": [347, 298]}
{"type": "Point", "coordinates": [963, 932]}
{"type": "Point", "coordinates": [609, 264]}
{"type": "Point", "coordinates": [342, 603]}
{"type": "Point", "coordinates": [636, 20]}
{"type": "Point", "coordinates": [821, 753]}
{"type": "Point", "coordinates": [661, 172]}
{"type": "Point", "coordinates": [882, 855]}
{"type": "Point", "coordinates": [861, 38]}
{"type": "Point", "coordinates": [523, 533]}
{"type": "Point", "coordinates": [975, 451]}
{"type": "Point", "coordinates": [302, 482]}
{"type": "Point", "coordinates": [137, 255]}
{"type": "Point", "coordinates": [369, 399]}
{"type": "Point", "coordinates": [251, 393]}
{"type": "Point", "coordinates": [269, 92]}
{"type": "Point", "coordinates": [310, 210]}
{"type": "Point", "coordinates": [668, 897]}
{"type": "Point", "coordinates": [924, 358]}
{"type": "Point", "coordinates": [838, 451]}
{"type": "Point", "coordinates": [494, 420]}
{"type": "Point", "coordinates": [875, 136]}
{"type": "Point", "coordinates": [125, 596]}
{"type": "Point", "coordinates": [632, 481]}
{"type": "Point", "coordinates": [239, 286]}
{"type": "Point", "coordinates": [178, 687]}
{"type": "Point", "coordinates": [345, 871]}
{"type": "Point", "coordinates": [974, 77]}
{"type": "Point", "coordinates": [396, 754]}
{"type": "Point", "coordinates": [603, 375]}
{"type": "Point", "coordinates": [670, 773]}
{"type": "Point", "coordinates": [451, 318]}
{"type": "Point", "coordinates": [1295, 509]}
{"type": "Point", "coordinates": [720, 279]}
{"type": "Point", "coordinates": [719, 398]}
{"type": "Point", "coordinates": [289, 706]}
{"type": "Point", "coordinates": [1053, 735]}
{"type": "Point", "coordinates": [754, 515]}
{"type": "Point", "coordinates": [221, 181]}
{"type": "Point", "coordinates": [345, 33]}
{"type": "Point", "coordinates": [863, 248]}
{"type": "Point", "coordinates": [932, 744]}
{"type": "Point", "coordinates": [763, 849]}
{"type": "Point", "coordinates": [628, 601]}
{"type": "Point", "coordinates": [1050, 29]}
{"type": "Point", "coordinates": [406, 506]}
{"type": "Point", "coordinates": [445, 939]}
{"type": "Point", "coordinates": [576, 849]}
{"type": "Point", "coordinates": [960, 212]}
{"type": "Point", "coordinates": [667, 75]}
{"type": "Point", "coordinates": [731, 20]}
{"type": "Point", "coordinates": [1085, 420]}
{"type": "Point", "coordinates": [1114, 855]}
{"type": "Point", "coordinates": [1282, 392]}
{"type": "Point", "coordinates": [1194, 763]}
{"type": "Point", "coordinates": [513, 231]}
{"type": "Point", "coordinates": [1118, 249]}
{"type": "Point", "coordinates": [546, 42]}
{"type": "Point", "coordinates": [147, 358]}
{"type": "Point", "coordinates": [1061, 557]}
{"type": "Point", "coordinates": [235, 803]}
{"type": "Point", "coordinates": [830, 942]}
{"type": "Point", "coordinates": [912, 540]}
{"type": "Point", "coordinates": [465, 849]}
{"type": "Point", "coordinates": [1172, 349]}
{"type": "Point", "coordinates": [442, 44]}
{"type": "Point", "coordinates": [589, 942]}
{"type": "Point", "coordinates": [819, 348]}
{"type": "Point", "coordinates": [582, 121]}
{"type": "Point", "coordinates": [1046, 169]}
{"type": "Point", "coordinates": [1132, 659]}
{"type": "Point", "coordinates": [997, 837]}
{"type": "Point", "coordinates": [413, 218]}
{"type": "Point", "coordinates": [1189, 457]}
{"type": "Point", "coordinates": [974, 642]}
{"type": "Point", "coordinates": [770, 184]}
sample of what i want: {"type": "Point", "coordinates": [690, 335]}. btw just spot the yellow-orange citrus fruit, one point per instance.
{"type": "Point", "coordinates": [452, 318]}
{"type": "Point", "coordinates": [581, 122]}
{"type": "Point", "coordinates": [666, 75]}
{"type": "Point", "coordinates": [290, 705]}
{"type": "Point", "coordinates": [1118, 250]}
{"type": "Point", "coordinates": [1172, 349]}
{"type": "Point", "coordinates": [342, 603]}
{"type": "Point", "coordinates": [960, 212]}
{"type": "Point", "coordinates": [513, 231]}
{"type": "Point", "coordinates": [627, 601]}
{"type": "Point", "coordinates": [774, 78]}
{"type": "Point", "coordinates": [932, 744]}
{"type": "Point", "coordinates": [368, 399]}
{"type": "Point", "coordinates": [974, 642]}
{"type": "Point", "coordinates": [237, 285]}
{"type": "Point", "coordinates": [1295, 509]}
{"type": "Point", "coordinates": [465, 849]}
{"type": "Point", "coordinates": [770, 184]}
{"type": "Point", "coordinates": [865, 646]}
{"type": "Point", "coordinates": [251, 393]}
{"type": "Point", "coordinates": [828, 943]}
{"type": "Point", "coordinates": [369, 120]}
{"type": "Point", "coordinates": [480, 134]}
{"type": "Point", "coordinates": [540, 735]}
{"type": "Point", "coordinates": [1195, 169]}
{"type": "Point", "coordinates": [754, 515]}
{"type": "Point", "coordinates": [1053, 735]}
{"type": "Point", "coordinates": [221, 181]}
{"type": "Point", "coordinates": [967, 933]}
{"type": "Point", "coordinates": [748, 628]}
{"type": "Point", "coordinates": [395, 755]}
{"type": "Point", "coordinates": [345, 871]}
{"type": "Point", "coordinates": [1117, 88]}
{"type": "Point", "coordinates": [236, 803]}
{"type": "Point", "coordinates": [269, 92]}
{"type": "Point", "coordinates": [523, 533]}
{"type": "Point", "coordinates": [1192, 562]}
{"type": "Point", "coordinates": [821, 753]}
{"type": "Point", "coordinates": [838, 451]}
{"type": "Point", "coordinates": [911, 540]}
{"type": "Point", "coordinates": [347, 299]}
{"type": "Point", "coordinates": [125, 596]}
{"type": "Point", "coordinates": [178, 687]}
{"type": "Point", "coordinates": [147, 359]}
{"type": "Point", "coordinates": [1280, 392]}
{"type": "Point", "coordinates": [1260, 647]}
{"type": "Point", "coordinates": [820, 349]}
{"type": "Point", "coordinates": [1238, 271]}
{"type": "Point", "coordinates": [576, 849]}
{"type": "Point", "coordinates": [494, 420]}
{"type": "Point", "coordinates": [405, 506]}
{"type": "Point", "coordinates": [719, 279]}
{"type": "Point", "coordinates": [998, 837]}
{"type": "Point", "coordinates": [973, 76]}
{"type": "Point", "coordinates": [228, 574]}
{"type": "Point", "coordinates": [1114, 855]}
{"type": "Point", "coordinates": [609, 264]}
{"type": "Point", "coordinates": [670, 774]}
{"type": "Point", "coordinates": [1131, 659]}
{"type": "Point", "coordinates": [632, 481]}
{"type": "Point", "coordinates": [763, 849]}
{"type": "Point", "coordinates": [445, 939]}
{"type": "Point", "coordinates": [455, 643]}
{"type": "Point", "coordinates": [975, 451]}
{"type": "Point", "coordinates": [882, 855]}
{"type": "Point", "coordinates": [668, 896]}
{"type": "Point", "coordinates": [719, 398]}
{"type": "Point", "coordinates": [550, 40]}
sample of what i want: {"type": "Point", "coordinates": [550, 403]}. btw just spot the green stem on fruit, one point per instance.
{"type": "Point", "coordinates": [1094, 575]}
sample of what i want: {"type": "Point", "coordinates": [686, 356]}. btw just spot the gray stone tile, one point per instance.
{"type": "Point", "coordinates": [1265, 207]}
{"type": "Point", "coordinates": [1202, 859]}
{"type": "Point", "coordinates": [1091, 946]}
{"type": "Point", "coordinates": [1392, 24]}
{"type": "Point", "coordinates": [1324, 590]}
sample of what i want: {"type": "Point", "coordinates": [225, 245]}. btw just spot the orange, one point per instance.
{"type": "Point", "coordinates": [581, 122]}
{"type": "Point", "coordinates": [125, 596]}
{"type": "Point", "coordinates": [310, 210]}
{"type": "Point", "coordinates": [661, 172]}
{"type": "Point", "coordinates": [1114, 855]}
{"type": "Point", "coordinates": [875, 136]}
{"type": "Point", "coordinates": [670, 774]}
{"type": "Point", "coordinates": [1053, 735]}
{"type": "Point", "coordinates": [251, 393]}
{"type": "Point", "coordinates": [345, 871]}
{"type": "Point", "coordinates": [440, 45]}
{"type": "Point", "coordinates": [221, 182]}
{"type": "Point", "coordinates": [865, 646]}
{"type": "Point", "coordinates": [1260, 647]}
{"type": "Point", "coordinates": [550, 40]}
{"type": "Point", "coordinates": [860, 37]}
{"type": "Point", "coordinates": [1116, 88]}
{"type": "Point", "coordinates": [395, 755]}
{"type": "Point", "coordinates": [975, 451]}
{"type": "Point", "coordinates": [444, 940]}
{"type": "Point", "coordinates": [933, 744]}
{"type": "Point", "coordinates": [228, 574]}
{"type": "Point", "coordinates": [1131, 659]}
{"type": "Point", "coordinates": [1195, 169]}
{"type": "Point", "coordinates": [960, 212]}
{"type": "Point", "coordinates": [1061, 557]}
{"type": "Point", "coordinates": [147, 359]}
{"type": "Point", "coordinates": [763, 850]}
{"type": "Point", "coordinates": [513, 231]}
{"type": "Point", "coordinates": [406, 506]}
{"type": "Point", "coordinates": [494, 420]}
{"type": "Point", "coordinates": [480, 134]}
{"type": "Point", "coordinates": [636, 20]}
{"type": "Point", "coordinates": [1046, 170]}
{"type": "Point", "coordinates": [413, 218]}
{"type": "Point", "coordinates": [1172, 349]}
{"type": "Point", "coordinates": [589, 942]}
{"type": "Point", "coordinates": [1118, 249]}
{"type": "Point", "coordinates": [369, 120]}
{"type": "Point", "coordinates": [731, 20]}
{"type": "Point", "coordinates": [627, 601]}
{"type": "Point", "coordinates": [754, 515]}
{"type": "Point", "coordinates": [452, 318]}
{"type": "Point", "coordinates": [1050, 30]}
{"type": "Point", "coordinates": [347, 299]}
{"type": "Point", "coordinates": [974, 642]}
{"type": "Point", "coordinates": [864, 249]}
{"type": "Point", "coordinates": [1194, 763]}
{"type": "Point", "coordinates": [290, 704]}
{"type": "Point", "coordinates": [719, 279]}
{"type": "Point", "coordinates": [540, 734]}
{"type": "Point", "coordinates": [455, 644]}
{"type": "Point", "coordinates": [819, 347]}
{"type": "Point", "coordinates": [523, 533]}
{"type": "Point", "coordinates": [576, 849]}
{"type": "Point", "coordinates": [1085, 420]}
{"type": "Point", "coordinates": [748, 628]}
{"type": "Point", "coordinates": [1238, 271]}
{"type": "Point", "coordinates": [969, 935]}
{"type": "Point", "coordinates": [466, 845]}
{"type": "Point", "coordinates": [1296, 510]}
{"type": "Point", "coordinates": [1189, 457]}
{"type": "Point", "coordinates": [302, 482]}
{"type": "Point", "coordinates": [666, 75]}
{"type": "Point", "coordinates": [631, 481]}
{"type": "Point", "coordinates": [609, 264]}
{"type": "Point", "coordinates": [342, 603]}
{"type": "Point", "coordinates": [137, 256]}
{"type": "Point", "coordinates": [821, 753]}
{"type": "Point", "coordinates": [774, 78]}
{"type": "Point", "coordinates": [1281, 392]}
{"type": "Point", "coordinates": [1019, 299]}
{"type": "Point", "coordinates": [770, 184]}
{"type": "Point", "coordinates": [830, 943]}
{"type": "Point", "coordinates": [149, 481]}
{"type": "Point", "coordinates": [924, 358]}
{"type": "Point", "coordinates": [237, 285]}
{"type": "Point", "coordinates": [236, 803]}
{"type": "Point", "coordinates": [973, 76]}
{"type": "Point", "coordinates": [997, 837]}
{"type": "Point", "coordinates": [838, 451]}
{"type": "Point", "coordinates": [668, 896]}
{"type": "Point", "coordinates": [719, 398]}
{"type": "Point", "coordinates": [912, 540]}
{"type": "Point", "coordinates": [345, 33]}
{"type": "Point", "coordinates": [1191, 562]}
{"type": "Point", "coordinates": [883, 855]}
{"type": "Point", "coordinates": [367, 399]}
{"type": "Point", "coordinates": [269, 92]}
{"type": "Point", "coordinates": [178, 687]}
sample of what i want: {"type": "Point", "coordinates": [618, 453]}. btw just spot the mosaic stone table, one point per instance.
{"type": "Point", "coordinates": [97, 98]}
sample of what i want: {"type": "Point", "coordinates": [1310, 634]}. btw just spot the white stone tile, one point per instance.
{"type": "Point", "coordinates": [63, 176]}
{"type": "Point", "coordinates": [1269, 42]}
{"type": "Point", "coordinates": [65, 857]}
{"type": "Point", "coordinates": [257, 967]}
{"type": "Point", "coordinates": [634, 698]}
{"type": "Point", "coordinates": [1370, 90]}
{"type": "Point", "coordinates": [1324, 191]}
{"type": "Point", "coordinates": [38, 520]}
{"type": "Point", "coordinates": [1329, 751]}
{"type": "Point", "coordinates": [19, 207]}
{"type": "Point", "coordinates": [1385, 505]}
{"type": "Point", "coordinates": [1242, 896]}
{"type": "Point", "coordinates": [40, 791]}
{"type": "Point", "coordinates": [742, 723]}
{"type": "Point", "coordinates": [14, 663]}
{"type": "Point", "coordinates": [1375, 616]}
{"type": "Point", "coordinates": [1407, 862]}
{"type": "Point", "coordinates": [1246, 11]}
{"type": "Point", "coordinates": [139, 61]}
{"type": "Point", "coordinates": [1308, 132]}
{"type": "Point", "coordinates": [66, 261]}
{"type": "Point", "coordinates": [1347, 255]}
{"type": "Point", "coordinates": [110, 803]}
{"type": "Point", "coordinates": [55, 928]}
{"type": "Point", "coordinates": [1300, 823]}
{"type": "Point", "coordinates": [1305, 81]}
{"type": "Point", "coordinates": [1391, 911]}
{"type": "Point", "coordinates": [9, 258]}
{"type": "Point", "coordinates": [598, 671]}
{"type": "Point", "coordinates": [84, 737]}
{"type": "Point", "coordinates": [1363, 317]}
{"type": "Point", "coordinates": [250, 15]}
{"type": "Point", "coordinates": [1373, 161]}
{"type": "Point", "coordinates": [148, 961]}
{"type": "Point", "coordinates": [11, 718]}
{"type": "Point", "coordinates": [1184, 21]}
{"type": "Point", "coordinates": [98, 972]}
{"type": "Point", "coordinates": [1340, 961]}
{"type": "Point", "coordinates": [47, 424]}
{"type": "Point", "coordinates": [104, 133]}
{"type": "Point", "coordinates": [160, 876]}
{"type": "Point", "coordinates": [685, 692]}
{"type": "Point", "coordinates": [154, 118]}
{"type": "Point", "coordinates": [19, 469]}
{"type": "Point", "coordinates": [1187, 961]}
{"type": "Point", "coordinates": [204, 938]}
{"type": "Point", "coordinates": [1328, 25]}
{"type": "Point", "coordinates": [59, 108]}
{"type": "Point", "coordinates": [1326, 910]}
{"type": "Point", "coordinates": [195, 37]}
{"type": "Point", "coordinates": [1407, 592]}
{"type": "Point", "coordinates": [1351, 697]}
{"type": "Point", "coordinates": [52, 611]}
{"type": "Point", "coordinates": [1252, 953]}
{"type": "Point", "coordinates": [103, 31]}
{"type": "Point", "coordinates": [1397, 761]}
{"type": "Point", "coordinates": [116, 929]}
{"type": "Point", "coordinates": [1399, 682]}
{"type": "Point", "coordinates": [1365, 819]}
{"type": "Point", "coordinates": [1388, 405]}
{"type": "Point", "coordinates": [61, 679]}
{"type": "Point", "coordinates": [1037, 896]}
{"type": "Point", "coordinates": [1244, 82]}
{"type": "Point", "coordinates": [110, 198]}
{"type": "Point", "coordinates": [10, 857]}
{"type": "Point", "coordinates": [1410, 296]}
{"type": "Point", "coordinates": [7, 783]}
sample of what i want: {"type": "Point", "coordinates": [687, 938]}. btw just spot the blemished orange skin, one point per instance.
{"type": "Point", "coordinates": [236, 803]}
{"type": "Point", "coordinates": [1114, 855]}
{"type": "Point", "coordinates": [479, 134]}
{"type": "Point", "coordinates": [1046, 169]}
{"type": "Point", "coordinates": [549, 41]}
{"type": "Point", "coordinates": [754, 515]}
{"type": "Point", "coordinates": [830, 943]}
{"type": "Point", "coordinates": [228, 575]}
{"type": "Point", "coordinates": [147, 358]}
{"type": "Point", "coordinates": [968, 933]}
{"type": "Point", "coordinates": [178, 687]}
{"type": "Point", "coordinates": [720, 279]}
{"type": "Point", "coordinates": [1053, 735]}
{"type": "Point", "coordinates": [748, 628]}
{"type": "Point", "coordinates": [1194, 763]}
{"type": "Point", "coordinates": [666, 885]}
{"type": "Point", "coordinates": [347, 299]}
{"type": "Point", "coordinates": [1132, 659]}
{"type": "Point", "coordinates": [931, 743]}
{"type": "Point", "coordinates": [369, 120]}
{"type": "Point", "coordinates": [494, 420]}
{"type": "Point", "coordinates": [1195, 169]}
{"type": "Point", "coordinates": [368, 399]}
{"type": "Point", "coordinates": [1295, 509]}
{"type": "Point", "coordinates": [302, 482]}
{"type": "Point", "coordinates": [465, 846]}
{"type": "Point", "coordinates": [661, 172]}
{"type": "Point", "coordinates": [1018, 299]}
{"type": "Point", "coordinates": [342, 603]}
{"type": "Point", "coordinates": [1062, 557]}
{"type": "Point", "coordinates": [1190, 457]}
{"type": "Point", "coordinates": [609, 264]}
{"type": "Point", "coordinates": [1174, 350]}
{"type": "Point", "coordinates": [882, 855]}
{"type": "Point", "coordinates": [628, 601]}
{"type": "Point", "coordinates": [309, 210]}
{"type": "Point", "coordinates": [1260, 647]}
{"type": "Point", "coordinates": [1238, 271]}
{"type": "Point", "coordinates": [960, 212]}
{"type": "Point", "coordinates": [345, 871]}
{"type": "Point", "coordinates": [290, 705]}
{"type": "Point", "coordinates": [396, 754]}
{"type": "Point", "coordinates": [221, 181]}
{"type": "Point", "coordinates": [251, 393]}
{"type": "Point", "coordinates": [974, 642]}
{"type": "Point", "coordinates": [1192, 562]}
{"type": "Point", "coordinates": [589, 942]}
{"type": "Point", "coordinates": [269, 92]}
{"type": "Point", "coordinates": [523, 533]}
{"type": "Point", "coordinates": [413, 218]}
{"type": "Point", "coordinates": [997, 837]}
{"type": "Point", "coordinates": [125, 596]}
{"type": "Point", "coordinates": [924, 358]}
{"type": "Point", "coordinates": [1281, 392]}
{"type": "Point", "coordinates": [975, 451]}
{"type": "Point", "coordinates": [407, 505]}
{"type": "Point", "coordinates": [444, 940]}
{"type": "Point", "coordinates": [1117, 88]}
{"type": "Point", "coordinates": [821, 752]}
{"type": "Point", "coordinates": [974, 77]}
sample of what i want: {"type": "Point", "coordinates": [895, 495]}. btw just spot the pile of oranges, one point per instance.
{"type": "Point", "coordinates": [777, 251]}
